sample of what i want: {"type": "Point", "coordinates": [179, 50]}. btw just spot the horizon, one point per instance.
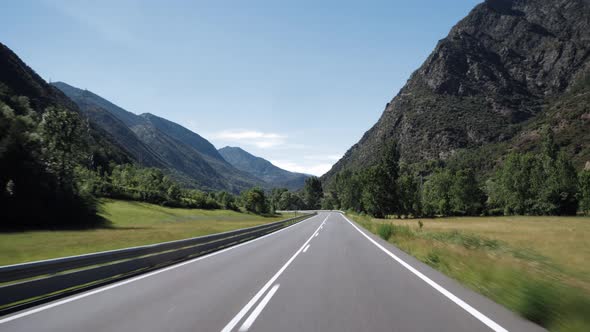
{"type": "Point", "coordinates": [194, 79]}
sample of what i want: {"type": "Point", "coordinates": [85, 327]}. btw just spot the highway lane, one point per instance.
{"type": "Point", "coordinates": [323, 274]}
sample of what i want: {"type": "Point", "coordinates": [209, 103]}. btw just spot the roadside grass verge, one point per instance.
{"type": "Point", "coordinates": [538, 267]}
{"type": "Point", "coordinates": [129, 224]}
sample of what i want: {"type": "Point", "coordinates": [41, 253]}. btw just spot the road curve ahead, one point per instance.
{"type": "Point", "coordinates": [323, 274]}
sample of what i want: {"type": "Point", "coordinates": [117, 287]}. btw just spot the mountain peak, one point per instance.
{"type": "Point", "coordinates": [262, 168]}
{"type": "Point", "coordinates": [495, 72]}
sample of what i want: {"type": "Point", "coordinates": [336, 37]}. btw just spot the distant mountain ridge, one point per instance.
{"type": "Point", "coordinates": [263, 168]}
{"type": "Point", "coordinates": [503, 72]}
{"type": "Point", "coordinates": [18, 79]}
{"type": "Point", "coordinates": [157, 142]}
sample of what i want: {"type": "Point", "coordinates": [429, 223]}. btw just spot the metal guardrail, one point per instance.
{"type": "Point", "coordinates": [56, 275]}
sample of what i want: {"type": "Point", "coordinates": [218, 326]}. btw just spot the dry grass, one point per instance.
{"type": "Point", "coordinates": [563, 240]}
{"type": "Point", "coordinates": [536, 266]}
{"type": "Point", "coordinates": [131, 224]}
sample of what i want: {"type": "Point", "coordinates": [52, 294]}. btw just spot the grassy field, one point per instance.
{"type": "Point", "coordinates": [537, 266]}
{"type": "Point", "coordinates": [131, 224]}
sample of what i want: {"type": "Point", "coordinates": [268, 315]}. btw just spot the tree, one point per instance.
{"type": "Point", "coordinates": [255, 201]}
{"type": "Point", "coordinates": [436, 196]}
{"type": "Point", "coordinates": [466, 196]}
{"type": "Point", "coordinates": [330, 201]}
{"type": "Point", "coordinates": [290, 201]}
{"type": "Point", "coordinates": [227, 200]}
{"type": "Point", "coordinates": [409, 194]}
{"type": "Point", "coordinates": [584, 180]}
{"type": "Point", "coordinates": [541, 184]}
{"type": "Point", "coordinates": [65, 143]}
{"type": "Point", "coordinates": [275, 198]}
{"type": "Point", "coordinates": [313, 193]}
{"type": "Point", "coordinates": [347, 185]}
{"type": "Point", "coordinates": [375, 196]}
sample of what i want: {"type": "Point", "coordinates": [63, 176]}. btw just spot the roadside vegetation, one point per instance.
{"type": "Point", "coordinates": [538, 267]}
{"type": "Point", "coordinates": [545, 183]}
{"type": "Point", "coordinates": [128, 224]}
{"type": "Point", "coordinates": [54, 173]}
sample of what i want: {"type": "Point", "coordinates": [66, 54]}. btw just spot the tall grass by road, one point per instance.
{"type": "Point", "coordinates": [538, 267]}
{"type": "Point", "coordinates": [129, 224]}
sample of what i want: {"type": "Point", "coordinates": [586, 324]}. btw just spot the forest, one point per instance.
{"type": "Point", "coordinates": [51, 178]}
{"type": "Point", "coordinates": [545, 183]}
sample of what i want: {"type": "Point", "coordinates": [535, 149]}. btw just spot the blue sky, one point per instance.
{"type": "Point", "coordinates": [295, 82]}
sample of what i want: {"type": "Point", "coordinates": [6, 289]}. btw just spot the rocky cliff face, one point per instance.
{"type": "Point", "coordinates": [494, 73]}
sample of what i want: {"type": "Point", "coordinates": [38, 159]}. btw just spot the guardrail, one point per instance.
{"type": "Point", "coordinates": [63, 276]}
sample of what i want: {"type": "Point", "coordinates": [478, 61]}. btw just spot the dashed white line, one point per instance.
{"type": "Point", "coordinates": [259, 309]}
{"type": "Point", "coordinates": [253, 301]}
{"type": "Point", "coordinates": [143, 276]}
{"type": "Point", "coordinates": [306, 247]}
{"type": "Point", "coordinates": [481, 317]}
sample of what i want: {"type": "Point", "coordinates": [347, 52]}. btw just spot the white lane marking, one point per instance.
{"type": "Point", "coordinates": [259, 309]}
{"type": "Point", "coordinates": [318, 233]}
{"type": "Point", "coordinates": [143, 276]}
{"type": "Point", "coordinates": [481, 317]}
{"type": "Point", "coordinates": [253, 301]}
{"type": "Point", "coordinates": [306, 247]}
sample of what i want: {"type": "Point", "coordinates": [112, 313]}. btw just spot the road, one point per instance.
{"type": "Point", "coordinates": [323, 274]}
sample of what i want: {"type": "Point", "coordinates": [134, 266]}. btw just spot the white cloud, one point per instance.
{"type": "Point", "coordinates": [330, 157]}
{"type": "Point", "coordinates": [314, 169]}
{"type": "Point", "coordinates": [251, 137]}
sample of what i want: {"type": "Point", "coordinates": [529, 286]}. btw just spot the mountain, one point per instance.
{"type": "Point", "coordinates": [158, 142]}
{"type": "Point", "coordinates": [18, 79]}
{"type": "Point", "coordinates": [503, 72]}
{"type": "Point", "coordinates": [263, 169]}
{"type": "Point", "coordinates": [114, 122]}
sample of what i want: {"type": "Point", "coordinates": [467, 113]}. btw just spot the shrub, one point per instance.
{"type": "Point", "coordinates": [385, 231]}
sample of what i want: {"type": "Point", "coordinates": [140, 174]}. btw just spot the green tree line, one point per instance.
{"type": "Point", "coordinates": [544, 183]}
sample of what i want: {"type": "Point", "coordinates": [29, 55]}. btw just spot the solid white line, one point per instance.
{"type": "Point", "coordinates": [306, 247]}
{"type": "Point", "coordinates": [253, 301]}
{"type": "Point", "coordinates": [143, 276]}
{"type": "Point", "coordinates": [481, 317]}
{"type": "Point", "coordinates": [259, 309]}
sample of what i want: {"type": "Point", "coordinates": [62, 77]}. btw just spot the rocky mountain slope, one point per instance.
{"type": "Point", "coordinates": [18, 79]}
{"type": "Point", "coordinates": [508, 68]}
{"type": "Point", "coordinates": [157, 142]}
{"type": "Point", "coordinates": [262, 168]}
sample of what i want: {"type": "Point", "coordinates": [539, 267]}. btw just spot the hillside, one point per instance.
{"type": "Point", "coordinates": [262, 168]}
{"type": "Point", "coordinates": [44, 142]}
{"type": "Point", "coordinates": [18, 79]}
{"type": "Point", "coordinates": [158, 142]}
{"type": "Point", "coordinates": [503, 72]}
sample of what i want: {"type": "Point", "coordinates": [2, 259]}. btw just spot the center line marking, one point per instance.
{"type": "Point", "coordinates": [259, 308]}
{"type": "Point", "coordinates": [253, 301]}
{"type": "Point", "coordinates": [306, 247]}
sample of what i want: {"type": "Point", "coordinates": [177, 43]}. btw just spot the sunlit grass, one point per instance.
{"type": "Point", "coordinates": [130, 224]}
{"type": "Point", "coordinates": [536, 266]}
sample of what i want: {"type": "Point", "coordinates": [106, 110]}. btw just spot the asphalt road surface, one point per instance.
{"type": "Point", "coordinates": [323, 274]}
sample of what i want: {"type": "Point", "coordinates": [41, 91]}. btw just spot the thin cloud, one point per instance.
{"type": "Point", "coordinates": [330, 157]}
{"type": "Point", "coordinates": [251, 137]}
{"type": "Point", "coordinates": [314, 169]}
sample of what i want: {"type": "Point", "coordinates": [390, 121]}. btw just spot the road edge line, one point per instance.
{"type": "Point", "coordinates": [471, 310]}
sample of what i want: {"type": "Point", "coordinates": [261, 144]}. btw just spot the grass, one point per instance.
{"type": "Point", "coordinates": [537, 266]}
{"type": "Point", "coordinates": [130, 224]}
